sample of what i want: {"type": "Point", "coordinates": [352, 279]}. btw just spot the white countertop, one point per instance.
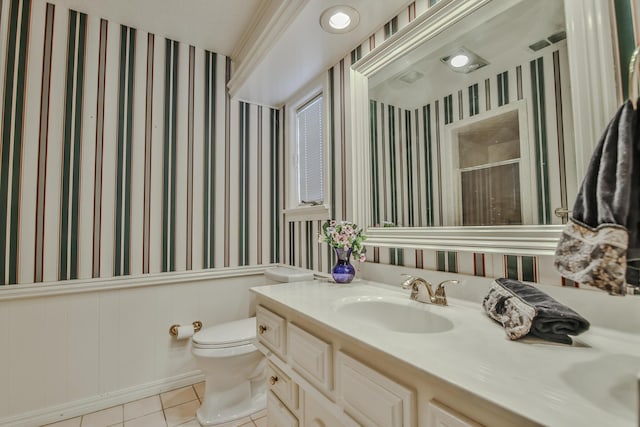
{"type": "Point", "coordinates": [591, 383]}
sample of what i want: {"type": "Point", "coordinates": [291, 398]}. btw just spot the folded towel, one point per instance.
{"type": "Point", "coordinates": [524, 309]}
{"type": "Point", "coordinates": [602, 233]}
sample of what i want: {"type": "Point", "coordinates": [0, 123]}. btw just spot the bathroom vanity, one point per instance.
{"type": "Point", "coordinates": [365, 354]}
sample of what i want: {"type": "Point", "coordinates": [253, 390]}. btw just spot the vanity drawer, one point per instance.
{"type": "Point", "coordinates": [282, 386]}
{"type": "Point", "coordinates": [271, 330]}
{"type": "Point", "coordinates": [441, 415]}
{"type": "Point", "coordinates": [371, 398]}
{"type": "Point", "coordinates": [310, 356]}
{"type": "Point", "coordinates": [279, 415]}
{"type": "Point", "coordinates": [315, 414]}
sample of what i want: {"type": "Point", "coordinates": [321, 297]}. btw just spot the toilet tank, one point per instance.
{"type": "Point", "coordinates": [288, 274]}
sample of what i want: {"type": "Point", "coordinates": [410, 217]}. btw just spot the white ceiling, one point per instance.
{"type": "Point", "coordinates": [297, 53]}
{"type": "Point", "coordinates": [304, 50]}
{"type": "Point", "coordinates": [216, 25]}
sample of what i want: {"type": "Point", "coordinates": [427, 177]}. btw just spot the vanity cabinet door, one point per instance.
{"type": "Point", "coordinates": [282, 386]}
{"type": "Point", "coordinates": [279, 415]}
{"type": "Point", "coordinates": [371, 398]}
{"type": "Point", "coordinates": [271, 330]}
{"type": "Point", "coordinates": [310, 356]}
{"type": "Point", "coordinates": [443, 416]}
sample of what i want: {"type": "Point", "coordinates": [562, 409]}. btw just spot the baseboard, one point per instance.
{"type": "Point", "coordinates": [96, 403]}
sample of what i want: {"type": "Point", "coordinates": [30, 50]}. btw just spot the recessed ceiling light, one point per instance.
{"type": "Point", "coordinates": [459, 60]}
{"type": "Point", "coordinates": [463, 61]}
{"type": "Point", "coordinates": [339, 19]}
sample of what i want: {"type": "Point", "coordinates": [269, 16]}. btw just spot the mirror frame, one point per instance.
{"type": "Point", "coordinates": [593, 77]}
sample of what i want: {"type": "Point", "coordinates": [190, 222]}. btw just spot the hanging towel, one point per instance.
{"type": "Point", "coordinates": [603, 228]}
{"type": "Point", "coordinates": [523, 309]}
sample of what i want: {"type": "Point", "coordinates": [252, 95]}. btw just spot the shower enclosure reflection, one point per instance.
{"type": "Point", "coordinates": [491, 174]}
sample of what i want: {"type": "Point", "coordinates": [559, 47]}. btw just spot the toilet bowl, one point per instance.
{"type": "Point", "coordinates": [234, 369]}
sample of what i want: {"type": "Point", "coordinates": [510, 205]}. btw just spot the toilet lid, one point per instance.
{"type": "Point", "coordinates": [231, 334]}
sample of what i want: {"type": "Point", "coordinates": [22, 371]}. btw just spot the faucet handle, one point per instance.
{"type": "Point", "coordinates": [440, 297]}
{"type": "Point", "coordinates": [408, 282]}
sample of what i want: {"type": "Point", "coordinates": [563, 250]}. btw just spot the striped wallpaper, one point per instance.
{"type": "Point", "coordinates": [13, 137]}
{"type": "Point", "coordinates": [122, 153]}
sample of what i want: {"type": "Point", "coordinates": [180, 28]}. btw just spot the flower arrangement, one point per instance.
{"type": "Point", "coordinates": [344, 235]}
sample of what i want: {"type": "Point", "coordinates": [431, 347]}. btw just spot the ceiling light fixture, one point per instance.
{"type": "Point", "coordinates": [459, 60]}
{"type": "Point", "coordinates": [339, 19]}
{"type": "Point", "coordinates": [463, 61]}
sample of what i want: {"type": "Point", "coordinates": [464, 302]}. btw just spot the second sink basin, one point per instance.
{"type": "Point", "coordinates": [394, 314]}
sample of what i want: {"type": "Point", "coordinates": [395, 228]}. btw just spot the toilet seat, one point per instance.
{"type": "Point", "coordinates": [234, 334]}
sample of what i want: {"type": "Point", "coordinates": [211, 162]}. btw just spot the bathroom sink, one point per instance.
{"type": "Point", "coordinates": [394, 314]}
{"type": "Point", "coordinates": [610, 382]}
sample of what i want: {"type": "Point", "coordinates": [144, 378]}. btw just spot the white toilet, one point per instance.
{"type": "Point", "coordinates": [234, 369]}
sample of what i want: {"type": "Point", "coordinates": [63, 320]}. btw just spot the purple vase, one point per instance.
{"type": "Point", "coordinates": [343, 271]}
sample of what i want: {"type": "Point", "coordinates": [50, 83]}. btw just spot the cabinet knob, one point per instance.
{"type": "Point", "coordinates": [273, 380]}
{"type": "Point", "coordinates": [262, 329]}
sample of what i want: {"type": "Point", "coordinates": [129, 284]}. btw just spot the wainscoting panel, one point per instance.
{"type": "Point", "coordinates": [59, 352]}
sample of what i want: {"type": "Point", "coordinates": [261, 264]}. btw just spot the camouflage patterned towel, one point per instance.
{"type": "Point", "coordinates": [598, 246]}
{"type": "Point", "coordinates": [523, 309]}
{"type": "Point", "coordinates": [594, 256]}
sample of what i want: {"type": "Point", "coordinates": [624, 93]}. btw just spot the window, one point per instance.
{"type": "Point", "coordinates": [309, 138]}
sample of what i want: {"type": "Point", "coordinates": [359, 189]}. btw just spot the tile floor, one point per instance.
{"type": "Point", "coordinates": [171, 409]}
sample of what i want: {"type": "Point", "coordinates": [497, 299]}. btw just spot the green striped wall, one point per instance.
{"type": "Point", "coordinates": [135, 160]}
{"type": "Point", "coordinates": [626, 39]}
{"type": "Point", "coordinates": [169, 173]}
{"type": "Point", "coordinates": [124, 147]}
{"type": "Point", "coordinates": [539, 105]}
{"type": "Point", "coordinates": [209, 183]}
{"type": "Point", "coordinates": [71, 142]}
{"type": "Point", "coordinates": [13, 118]}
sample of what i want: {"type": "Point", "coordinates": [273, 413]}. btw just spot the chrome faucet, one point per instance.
{"type": "Point", "coordinates": [422, 290]}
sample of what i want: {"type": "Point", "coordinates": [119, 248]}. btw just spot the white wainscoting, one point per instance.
{"type": "Point", "coordinates": [65, 351]}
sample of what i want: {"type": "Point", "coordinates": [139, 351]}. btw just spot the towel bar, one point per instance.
{"type": "Point", "coordinates": [633, 77]}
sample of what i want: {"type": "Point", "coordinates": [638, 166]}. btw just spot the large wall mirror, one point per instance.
{"type": "Point", "coordinates": [470, 127]}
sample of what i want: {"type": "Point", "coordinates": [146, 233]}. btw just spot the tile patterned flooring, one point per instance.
{"type": "Point", "coordinates": [171, 409]}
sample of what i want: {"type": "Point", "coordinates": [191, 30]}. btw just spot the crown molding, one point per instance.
{"type": "Point", "coordinates": [259, 22]}
{"type": "Point", "coordinates": [272, 19]}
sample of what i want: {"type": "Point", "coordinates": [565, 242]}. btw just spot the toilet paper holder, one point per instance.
{"type": "Point", "coordinates": [173, 330]}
